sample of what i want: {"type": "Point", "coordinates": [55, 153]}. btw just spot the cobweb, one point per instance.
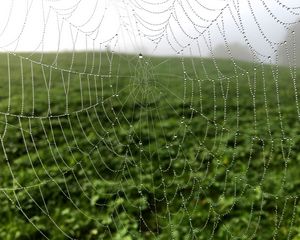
{"type": "Point", "coordinates": [162, 119]}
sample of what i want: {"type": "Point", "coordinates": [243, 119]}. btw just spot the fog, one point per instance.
{"type": "Point", "coordinates": [288, 52]}
{"type": "Point", "coordinates": [191, 27]}
{"type": "Point", "coordinates": [234, 50]}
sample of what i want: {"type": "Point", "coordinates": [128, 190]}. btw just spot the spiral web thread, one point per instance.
{"type": "Point", "coordinates": [175, 147]}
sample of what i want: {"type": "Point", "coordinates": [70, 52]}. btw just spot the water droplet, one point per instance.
{"type": "Point", "coordinates": [140, 56]}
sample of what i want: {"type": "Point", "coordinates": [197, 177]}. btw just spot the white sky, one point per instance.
{"type": "Point", "coordinates": [51, 25]}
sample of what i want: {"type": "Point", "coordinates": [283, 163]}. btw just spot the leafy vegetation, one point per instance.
{"type": "Point", "coordinates": [122, 147]}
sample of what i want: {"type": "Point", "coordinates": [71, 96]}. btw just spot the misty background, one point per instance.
{"type": "Point", "coordinates": [260, 30]}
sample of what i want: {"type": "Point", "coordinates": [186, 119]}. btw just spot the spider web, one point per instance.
{"type": "Point", "coordinates": [162, 119]}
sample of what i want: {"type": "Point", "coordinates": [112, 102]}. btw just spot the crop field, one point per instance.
{"type": "Point", "coordinates": [114, 146]}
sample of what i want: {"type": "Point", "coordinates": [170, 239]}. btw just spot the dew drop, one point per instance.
{"type": "Point", "coordinates": [141, 56]}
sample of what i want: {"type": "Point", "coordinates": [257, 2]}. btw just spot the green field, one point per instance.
{"type": "Point", "coordinates": [108, 146]}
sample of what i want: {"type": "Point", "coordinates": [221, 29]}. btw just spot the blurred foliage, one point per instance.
{"type": "Point", "coordinates": [199, 153]}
